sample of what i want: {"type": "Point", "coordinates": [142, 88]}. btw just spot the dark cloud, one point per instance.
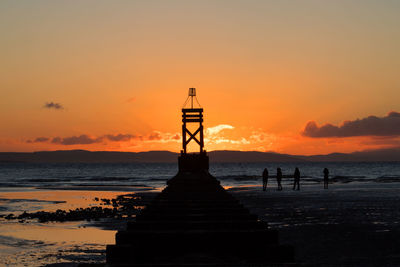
{"type": "Point", "coordinates": [120, 137]}
{"type": "Point", "coordinates": [87, 140]}
{"type": "Point", "coordinates": [39, 140]}
{"type": "Point", "coordinates": [155, 136]}
{"type": "Point", "coordinates": [52, 105]}
{"type": "Point", "coordinates": [370, 126]}
{"type": "Point", "coordinates": [76, 140]}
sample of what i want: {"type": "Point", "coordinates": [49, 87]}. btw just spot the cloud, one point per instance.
{"type": "Point", "coordinates": [370, 126]}
{"type": "Point", "coordinates": [84, 139]}
{"type": "Point", "coordinates": [154, 136]}
{"type": "Point", "coordinates": [218, 128]}
{"type": "Point", "coordinates": [160, 137]}
{"type": "Point", "coordinates": [242, 141]}
{"type": "Point", "coordinates": [39, 140]}
{"type": "Point", "coordinates": [120, 137]}
{"type": "Point", "coordinates": [214, 135]}
{"type": "Point", "coordinates": [76, 140]}
{"type": "Point", "coordinates": [176, 137]}
{"type": "Point", "coordinates": [52, 105]}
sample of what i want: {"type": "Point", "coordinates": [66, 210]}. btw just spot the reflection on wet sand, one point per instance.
{"type": "Point", "coordinates": [37, 244]}
{"type": "Point", "coordinates": [51, 200]}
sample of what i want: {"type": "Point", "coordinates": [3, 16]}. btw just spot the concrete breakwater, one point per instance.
{"type": "Point", "coordinates": [195, 222]}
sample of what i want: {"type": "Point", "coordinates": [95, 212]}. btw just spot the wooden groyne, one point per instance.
{"type": "Point", "coordinates": [195, 222]}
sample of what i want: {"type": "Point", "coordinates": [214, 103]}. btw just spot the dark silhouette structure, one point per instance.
{"type": "Point", "coordinates": [296, 176]}
{"type": "Point", "coordinates": [265, 179]}
{"type": "Point", "coordinates": [326, 178]}
{"type": "Point", "coordinates": [195, 222]}
{"type": "Point", "coordinates": [279, 178]}
{"type": "Point", "coordinates": [192, 162]}
{"type": "Point", "coordinates": [192, 115]}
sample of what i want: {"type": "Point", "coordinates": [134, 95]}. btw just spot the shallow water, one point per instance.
{"type": "Point", "coordinates": [30, 243]}
{"type": "Point", "coordinates": [36, 244]}
{"type": "Point", "coordinates": [148, 176]}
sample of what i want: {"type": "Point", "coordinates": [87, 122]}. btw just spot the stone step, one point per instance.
{"type": "Point", "coordinates": [197, 225]}
{"type": "Point", "coordinates": [195, 198]}
{"type": "Point", "coordinates": [233, 253]}
{"type": "Point", "coordinates": [192, 217]}
{"type": "Point", "coordinates": [196, 190]}
{"type": "Point", "coordinates": [197, 210]}
{"type": "Point", "coordinates": [194, 186]}
{"type": "Point", "coordinates": [185, 264]}
{"type": "Point", "coordinates": [213, 239]}
{"type": "Point", "coordinates": [195, 204]}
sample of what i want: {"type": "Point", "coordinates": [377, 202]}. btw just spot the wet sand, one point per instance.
{"type": "Point", "coordinates": [31, 243]}
{"type": "Point", "coordinates": [347, 225]}
{"type": "Point", "coordinates": [350, 224]}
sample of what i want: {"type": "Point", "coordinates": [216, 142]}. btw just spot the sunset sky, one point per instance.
{"type": "Point", "coordinates": [299, 77]}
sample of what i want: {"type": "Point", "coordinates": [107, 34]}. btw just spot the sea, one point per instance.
{"type": "Point", "coordinates": [153, 176]}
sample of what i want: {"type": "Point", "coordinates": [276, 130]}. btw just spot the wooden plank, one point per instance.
{"type": "Point", "coordinates": [192, 116]}
{"type": "Point", "coordinates": [192, 120]}
{"type": "Point", "coordinates": [186, 110]}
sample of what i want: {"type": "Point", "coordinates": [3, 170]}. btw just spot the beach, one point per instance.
{"type": "Point", "coordinates": [353, 223]}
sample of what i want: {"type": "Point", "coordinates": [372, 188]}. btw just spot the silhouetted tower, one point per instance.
{"type": "Point", "coordinates": [192, 115]}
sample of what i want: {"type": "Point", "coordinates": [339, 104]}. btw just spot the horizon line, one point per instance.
{"type": "Point", "coordinates": [223, 150]}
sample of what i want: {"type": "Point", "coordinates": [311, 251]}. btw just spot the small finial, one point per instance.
{"type": "Point", "coordinates": [191, 99]}
{"type": "Point", "coordinates": [192, 92]}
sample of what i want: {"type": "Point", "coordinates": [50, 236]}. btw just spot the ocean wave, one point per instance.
{"type": "Point", "coordinates": [253, 177]}
{"type": "Point", "coordinates": [111, 178]}
{"type": "Point", "coordinates": [47, 180]}
{"type": "Point", "coordinates": [18, 200]}
{"type": "Point", "coordinates": [13, 184]}
{"type": "Point", "coordinates": [159, 179]}
{"type": "Point", "coordinates": [239, 177]}
{"type": "Point", "coordinates": [348, 178]}
{"type": "Point", "coordinates": [388, 179]}
{"type": "Point", "coordinates": [105, 185]}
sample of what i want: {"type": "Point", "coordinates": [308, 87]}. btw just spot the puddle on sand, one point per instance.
{"type": "Point", "coordinates": [18, 202]}
{"type": "Point", "coordinates": [37, 244]}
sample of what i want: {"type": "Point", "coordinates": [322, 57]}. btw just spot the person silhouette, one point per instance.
{"type": "Point", "coordinates": [326, 178]}
{"type": "Point", "coordinates": [279, 178]}
{"type": "Point", "coordinates": [265, 179]}
{"type": "Point", "coordinates": [296, 179]}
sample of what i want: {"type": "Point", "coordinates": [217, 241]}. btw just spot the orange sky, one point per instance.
{"type": "Point", "coordinates": [120, 72]}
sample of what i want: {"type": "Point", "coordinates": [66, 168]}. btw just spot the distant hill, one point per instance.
{"type": "Point", "coordinates": [250, 156]}
{"type": "Point", "coordinates": [84, 156]}
{"type": "Point", "coordinates": [390, 154]}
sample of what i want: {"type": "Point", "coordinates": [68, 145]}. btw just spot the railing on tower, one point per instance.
{"type": "Point", "coordinates": [192, 115]}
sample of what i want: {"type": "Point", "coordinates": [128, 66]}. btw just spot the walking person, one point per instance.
{"type": "Point", "coordinates": [279, 178]}
{"type": "Point", "coordinates": [326, 178]}
{"type": "Point", "coordinates": [265, 179]}
{"type": "Point", "coordinates": [296, 179]}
